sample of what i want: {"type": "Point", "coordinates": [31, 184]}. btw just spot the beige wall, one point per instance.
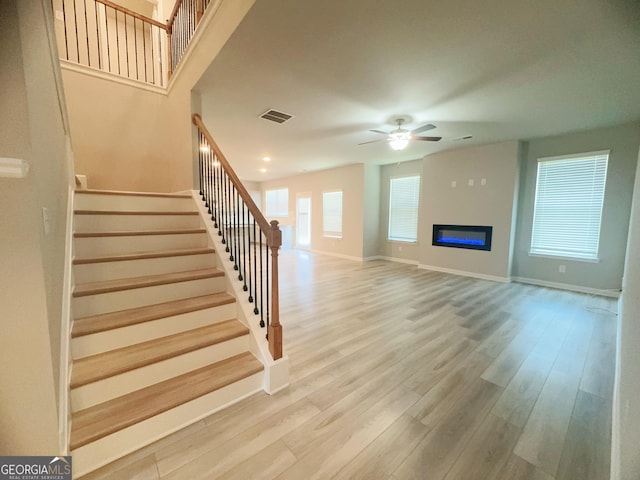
{"type": "Point", "coordinates": [491, 204]}
{"type": "Point", "coordinates": [401, 251]}
{"type": "Point", "coordinates": [136, 139]}
{"type": "Point", "coordinates": [371, 218]}
{"type": "Point", "coordinates": [349, 179]}
{"type": "Point", "coordinates": [32, 128]}
{"type": "Point", "coordinates": [623, 141]}
{"type": "Point", "coordinates": [626, 421]}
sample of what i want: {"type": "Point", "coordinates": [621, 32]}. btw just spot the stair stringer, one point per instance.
{"type": "Point", "coordinates": [276, 372]}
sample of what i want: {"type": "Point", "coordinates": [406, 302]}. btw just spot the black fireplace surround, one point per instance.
{"type": "Point", "coordinates": [462, 236]}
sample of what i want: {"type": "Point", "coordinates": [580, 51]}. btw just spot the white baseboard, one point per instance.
{"type": "Point", "coordinates": [391, 259]}
{"type": "Point", "coordinates": [614, 473]}
{"type": "Point", "coordinates": [338, 255]}
{"type": "Point", "coordinates": [64, 408]}
{"type": "Point", "coordinates": [567, 286]}
{"type": "Point", "coordinates": [463, 273]}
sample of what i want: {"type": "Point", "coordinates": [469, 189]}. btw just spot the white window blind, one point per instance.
{"type": "Point", "coordinates": [277, 202]}
{"type": "Point", "coordinates": [404, 194]}
{"type": "Point", "coordinates": [568, 205]}
{"type": "Point", "coordinates": [332, 214]}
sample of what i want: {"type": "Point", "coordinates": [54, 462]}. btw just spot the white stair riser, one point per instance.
{"type": "Point", "coordinates": [118, 385]}
{"type": "Point", "coordinates": [116, 223]}
{"type": "Point", "coordinates": [107, 449]}
{"type": "Point", "coordinates": [99, 246]}
{"type": "Point", "coordinates": [140, 297]}
{"type": "Point", "coordinates": [142, 332]}
{"type": "Point", "coordinates": [93, 201]}
{"type": "Point", "coordinates": [103, 271]}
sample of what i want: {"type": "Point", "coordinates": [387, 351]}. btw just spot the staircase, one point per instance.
{"type": "Point", "coordinates": [156, 344]}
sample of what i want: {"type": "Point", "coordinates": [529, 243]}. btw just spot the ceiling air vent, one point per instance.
{"type": "Point", "coordinates": [276, 116]}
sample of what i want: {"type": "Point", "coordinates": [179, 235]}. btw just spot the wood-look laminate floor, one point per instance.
{"type": "Point", "coordinates": [400, 373]}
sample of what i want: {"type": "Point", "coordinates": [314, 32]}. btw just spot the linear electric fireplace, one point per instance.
{"type": "Point", "coordinates": [462, 236]}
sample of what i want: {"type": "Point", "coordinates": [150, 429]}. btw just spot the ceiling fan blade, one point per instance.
{"type": "Point", "coordinates": [379, 131]}
{"type": "Point", "coordinates": [426, 139]}
{"type": "Point", "coordinates": [373, 141]}
{"type": "Point", "coordinates": [423, 128]}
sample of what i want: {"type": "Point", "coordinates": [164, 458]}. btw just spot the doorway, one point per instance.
{"type": "Point", "coordinates": [303, 221]}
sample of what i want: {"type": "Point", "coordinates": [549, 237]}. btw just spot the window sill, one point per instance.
{"type": "Point", "coordinates": [395, 240]}
{"type": "Point", "coordinates": [564, 257]}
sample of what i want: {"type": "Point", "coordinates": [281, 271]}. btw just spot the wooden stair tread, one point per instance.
{"type": "Point", "coordinates": [103, 365]}
{"type": "Point", "coordinates": [93, 191]}
{"type": "Point", "coordinates": [123, 318]}
{"type": "Point", "coordinates": [96, 422]}
{"type": "Point", "coordinates": [145, 255]}
{"type": "Point", "coordinates": [137, 233]}
{"type": "Point", "coordinates": [135, 212]}
{"type": "Point", "coordinates": [107, 286]}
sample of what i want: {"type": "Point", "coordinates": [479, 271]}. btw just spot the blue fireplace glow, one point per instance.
{"type": "Point", "coordinates": [462, 236]}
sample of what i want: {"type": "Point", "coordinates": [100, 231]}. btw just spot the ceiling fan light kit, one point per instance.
{"type": "Point", "coordinates": [399, 138]}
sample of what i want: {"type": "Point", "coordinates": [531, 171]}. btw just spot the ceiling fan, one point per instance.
{"type": "Point", "coordinates": [399, 138]}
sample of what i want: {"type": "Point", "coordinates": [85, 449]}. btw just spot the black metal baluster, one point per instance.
{"type": "Point", "coordinates": [234, 242]}
{"type": "Point", "coordinates": [238, 237]}
{"type": "Point", "coordinates": [266, 253]}
{"type": "Point", "coordinates": [210, 186]}
{"type": "Point", "coordinates": [66, 40]}
{"type": "Point", "coordinates": [218, 194]}
{"type": "Point", "coordinates": [255, 270]}
{"type": "Point", "coordinates": [207, 182]}
{"type": "Point", "coordinates": [245, 246]}
{"type": "Point", "coordinates": [106, 19]}
{"type": "Point", "coordinates": [239, 256]}
{"type": "Point", "coordinates": [200, 164]}
{"type": "Point", "coordinates": [216, 189]}
{"type": "Point", "coordinates": [247, 223]}
{"type": "Point", "coordinates": [261, 285]}
{"type": "Point", "coordinates": [95, 10]}
{"type": "Point", "coordinates": [153, 57]}
{"type": "Point", "coordinates": [135, 46]}
{"type": "Point", "coordinates": [86, 31]}
{"type": "Point", "coordinates": [215, 186]}
{"type": "Point", "coordinates": [75, 24]}
{"type": "Point", "coordinates": [115, 14]}
{"type": "Point", "coordinates": [207, 190]}
{"type": "Point", "coordinates": [224, 209]}
{"type": "Point", "coordinates": [126, 43]}
{"type": "Point", "coordinates": [230, 240]}
{"type": "Point", "coordinates": [144, 51]}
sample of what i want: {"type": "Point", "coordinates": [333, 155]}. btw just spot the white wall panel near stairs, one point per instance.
{"type": "Point", "coordinates": [156, 343]}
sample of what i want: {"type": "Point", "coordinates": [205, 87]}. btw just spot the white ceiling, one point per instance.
{"type": "Point", "coordinates": [494, 69]}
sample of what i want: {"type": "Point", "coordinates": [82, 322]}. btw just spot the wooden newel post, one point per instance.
{"type": "Point", "coordinates": [275, 329]}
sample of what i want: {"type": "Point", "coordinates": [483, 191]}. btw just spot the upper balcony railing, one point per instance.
{"type": "Point", "coordinates": [106, 36]}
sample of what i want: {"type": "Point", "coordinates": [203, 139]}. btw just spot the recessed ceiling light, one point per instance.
{"type": "Point", "coordinates": [263, 170]}
{"type": "Point", "coordinates": [266, 159]}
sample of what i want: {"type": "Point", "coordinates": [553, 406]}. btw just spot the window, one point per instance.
{"type": "Point", "coordinates": [404, 194]}
{"type": "Point", "coordinates": [332, 214]}
{"type": "Point", "coordinates": [568, 205]}
{"type": "Point", "coordinates": [277, 203]}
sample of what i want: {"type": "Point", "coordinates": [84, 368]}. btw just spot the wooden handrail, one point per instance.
{"type": "Point", "coordinates": [139, 16]}
{"type": "Point", "coordinates": [253, 208]}
{"type": "Point", "coordinates": [271, 231]}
